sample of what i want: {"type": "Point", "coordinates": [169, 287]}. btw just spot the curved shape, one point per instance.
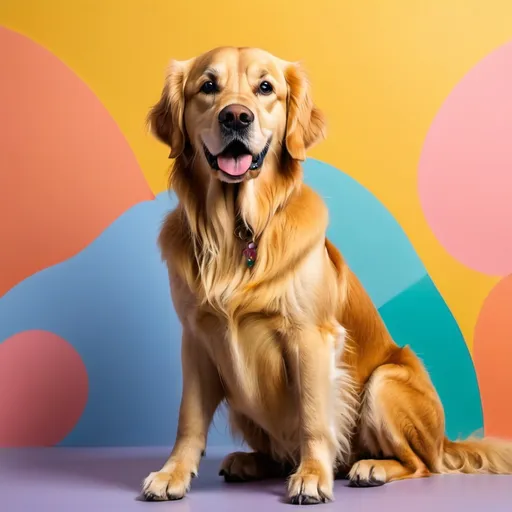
{"type": "Point", "coordinates": [67, 170]}
{"type": "Point", "coordinates": [43, 389]}
{"type": "Point", "coordinates": [493, 358]}
{"type": "Point", "coordinates": [419, 317]}
{"type": "Point", "coordinates": [112, 303]}
{"type": "Point", "coordinates": [371, 240]}
{"type": "Point", "coordinates": [465, 180]}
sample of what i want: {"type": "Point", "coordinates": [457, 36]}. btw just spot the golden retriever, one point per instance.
{"type": "Point", "coordinates": [274, 322]}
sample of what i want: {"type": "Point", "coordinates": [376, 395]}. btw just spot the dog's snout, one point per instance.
{"type": "Point", "coordinates": [235, 117]}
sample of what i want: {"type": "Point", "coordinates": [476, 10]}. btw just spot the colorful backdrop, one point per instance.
{"type": "Point", "coordinates": [416, 173]}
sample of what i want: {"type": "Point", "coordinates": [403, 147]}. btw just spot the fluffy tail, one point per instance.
{"type": "Point", "coordinates": [477, 456]}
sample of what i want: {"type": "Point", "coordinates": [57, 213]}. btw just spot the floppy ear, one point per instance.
{"type": "Point", "coordinates": [165, 119]}
{"type": "Point", "coordinates": [305, 123]}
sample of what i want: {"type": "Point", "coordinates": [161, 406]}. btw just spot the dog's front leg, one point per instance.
{"type": "Point", "coordinates": [202, 393]}
{"type": "Point", "coordinates": [310, 357]}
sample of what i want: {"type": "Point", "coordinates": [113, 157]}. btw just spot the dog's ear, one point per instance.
{"type": "Point", "coordinates": [165, 119]}
{"type": "Point", "coordinates": [305, 124]}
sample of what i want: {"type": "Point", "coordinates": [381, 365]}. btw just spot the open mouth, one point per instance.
{"type": "Point", "coordinates": [236, 159]}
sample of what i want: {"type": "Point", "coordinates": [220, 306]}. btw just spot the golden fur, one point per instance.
{"type": "Point", "coordinates": [294, 346]}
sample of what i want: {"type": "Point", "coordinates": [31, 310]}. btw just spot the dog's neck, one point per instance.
{"type": "Point", "coordinates": [213, 210]}
{"type": "Point", "coordinates": [226, 208]}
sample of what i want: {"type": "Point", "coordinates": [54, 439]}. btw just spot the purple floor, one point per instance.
{"type": "Point", "coordinates": [96, 480]}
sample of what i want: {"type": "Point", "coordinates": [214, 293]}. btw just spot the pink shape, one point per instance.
{"type": "Point", "coordinates": [66, 170]}
{"type": "Point", "coordinates": [43, 389]}
{"type": "Point", "coordinates": [465, 171]}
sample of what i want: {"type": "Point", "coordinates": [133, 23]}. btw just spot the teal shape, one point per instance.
{"type": "Point", "coordinates": [371, 240]}
{"type": "Point", "coordinates": [420, 318]}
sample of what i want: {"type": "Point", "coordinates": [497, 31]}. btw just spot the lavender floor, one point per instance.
{"type": "Point", "coordinates": [96, 480]}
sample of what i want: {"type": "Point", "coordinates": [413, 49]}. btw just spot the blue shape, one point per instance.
{"type": "Point", "coordinates": [420, 318]}
{"type": "Point", "coordinates": [111, 302]}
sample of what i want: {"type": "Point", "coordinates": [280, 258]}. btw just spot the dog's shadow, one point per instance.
{"type": "Point", "coordinates": [122, 470]}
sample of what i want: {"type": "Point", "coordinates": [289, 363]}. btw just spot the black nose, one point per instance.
{"type": "Point", "coordinates": [235, 117]}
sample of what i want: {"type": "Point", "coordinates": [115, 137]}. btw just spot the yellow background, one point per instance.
{"type": "Point", "coordinates": [380, 70]}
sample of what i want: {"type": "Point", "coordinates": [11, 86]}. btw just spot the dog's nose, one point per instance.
{"type": "Point", "coordinates": [235, 117]}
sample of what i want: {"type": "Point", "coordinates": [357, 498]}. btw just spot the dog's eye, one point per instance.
{"type": "Point", "coordinates": [209, 87]}
{"type": "Point", "coordinates": [265, 88]}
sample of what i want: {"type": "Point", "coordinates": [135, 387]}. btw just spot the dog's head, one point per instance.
{"type": "Point", "coordinates": [236, 110]}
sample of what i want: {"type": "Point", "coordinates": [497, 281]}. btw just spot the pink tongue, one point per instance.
{"type": "Point", "coordinates": [234, 166]}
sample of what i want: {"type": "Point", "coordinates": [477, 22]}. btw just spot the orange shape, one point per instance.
{"type": "Point", "coordinates": [493, 359]}
{"type": "Point", "coordinates": [43, 389]}
{"type": "Point", "coordinates": [66, 171]}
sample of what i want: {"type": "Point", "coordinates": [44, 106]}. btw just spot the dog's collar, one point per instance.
{"type": "Point", "coordinates": [246, 235]}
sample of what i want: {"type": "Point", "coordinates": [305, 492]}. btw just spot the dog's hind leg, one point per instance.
{"type": "Point", "coordinates": [401, 425]}
{"type": "Point", "coordinates": [256, 465]}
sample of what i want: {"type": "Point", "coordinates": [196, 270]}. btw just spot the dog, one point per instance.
{"type": "Point", "coordinates": [274, 322]}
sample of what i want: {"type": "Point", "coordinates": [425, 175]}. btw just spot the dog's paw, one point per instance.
{"type": "Point", "coordinates": [311, 484]}
{"type": "Point", "coordinates": [246, 467]}
{"type": "Point", "coordinates": [367, 473]}
{"type": "Point", "coordinates": [171, 484]}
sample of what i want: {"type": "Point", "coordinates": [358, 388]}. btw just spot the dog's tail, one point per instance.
{"type": "Point", "coordinates": [477, 456]}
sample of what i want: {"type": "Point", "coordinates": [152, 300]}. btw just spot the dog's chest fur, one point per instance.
{"type": "Point", "coordinates": [246, 330]}
{"type": "Point", "coordinates": [252, 365]}
{"type": "Point", "coordinates": [258, 381]}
